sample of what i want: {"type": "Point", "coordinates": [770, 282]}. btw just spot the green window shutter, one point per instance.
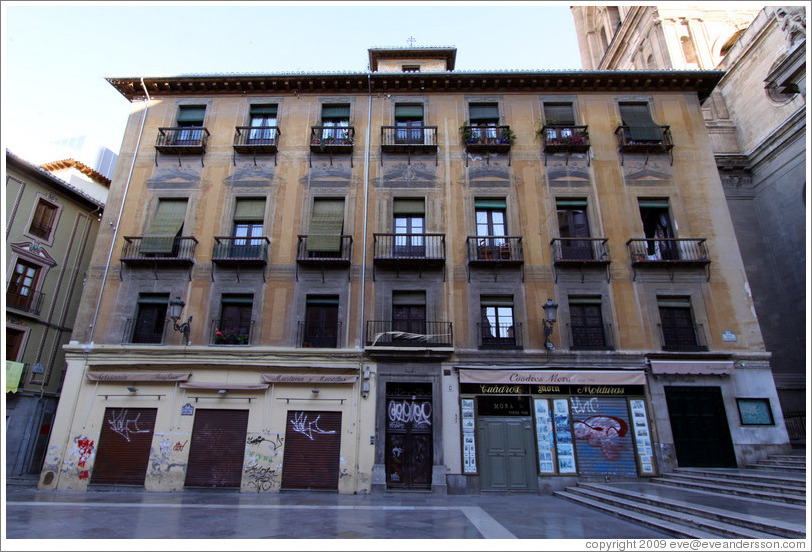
{"type": "Point", "coordinates": [679, 302]}
{"type": "Point", "coordinates": [192, 114]}
{"type": "Point", "coordinates": [638, 118]}
{"type": "Point", "coordinates": [559, 113]}
{"type": "Point", "coordinates": [490, 203]}
{"type": "Point", "coordinates": [167, 223]}
{"type": "Point", "coordinates": [409, 207]}
{"type": "Point", "coordinates": [496, 301]}
{"type": "Point", "coordinates": [322, 300]}
{"type": "Point", "coordinates": [335, 111]}
{"type": "Point", "coordinates": [409, 110]}
{"type": "Point", "coordinates": [479, 112]}
{"type": "Point", "coordinates": [583, 300]}
{"type": "Point", "coordinates": [326, 225]}
{"type": "Point", "coordinates": [249, 210]}
{"type": "Point", "coordinates": [153, 299]}
{"type": "Point", "coordinates": [559, 203]}
{"type": "Point", "coordinates": [656, 203]}
{"type": "Point", "coordinates": [411, 298]}
{"type": "Point", "coordinates": [237, 300]}
{"type": "Point", "coordinates": [262, 111]}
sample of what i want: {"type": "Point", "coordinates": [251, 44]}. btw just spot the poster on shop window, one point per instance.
{"type": "Point", "coordinates": [468, 440]}
{"type": "Point", "coordinates": [544, 436]}
{"type": "Point", "coordinates": [563, 436]}
{"type": "Point", "coordinates": [642, 436]}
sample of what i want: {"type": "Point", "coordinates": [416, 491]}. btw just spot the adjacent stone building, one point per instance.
{"type": "Point", "coordinates": [413, 278]}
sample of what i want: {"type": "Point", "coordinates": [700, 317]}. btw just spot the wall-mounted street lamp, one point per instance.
{"type": "Point", "coordinates": [550, 309]}
{"type": "Point", "coordinates": [175, 309]}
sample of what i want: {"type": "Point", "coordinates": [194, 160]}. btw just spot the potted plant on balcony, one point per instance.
{"type": "Point", "coordinates": [507, 136]}
{"type": "Point", "coordinates": [231, 336]}
{"type": "Point", "coordinates": [467, 133]}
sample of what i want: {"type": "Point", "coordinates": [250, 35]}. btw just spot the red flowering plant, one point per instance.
{"type": "Point", "coordinates": [231, 336]}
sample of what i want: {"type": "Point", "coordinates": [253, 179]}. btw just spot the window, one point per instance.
{"type": "Point", "coordinates": [491, 228]}
{"type": "Point", "coordinates": [321, 321]}
{"type": "Point", "coordinates": [248, 223]}
{"type": "Point", "coordinates": [657, 228]}
{"type": "Point", "coordinates": [335, 120]}
{"type": "Point", "coordinates": [641, 127]}
{"type": "Point", "coordinates": [573, 223]}
{"type": "Point", "coordinates": [559, 113]}
{"type": "Point", "coordinates": [484, 120]}
{"type": "Point", "coordinates": [190, 120]}
{"type": "Point", "coordinates": [408, 315]}
{"type": "Point", "coordinates": [409, 223]}
{"type": "Point", "coordinates": [409, 123]}
{"type": "Point", "coordinates": [262, 120]}
{"type": "Point", "coordinates": [411, 68]}
{"type": "Point", "coordinates": [326, 228]}
{"type": "Point", "coordinates": [234, 325]}
{"type": "Point", "coordinates": [22, 286]}
{"type": "Point", "coordinates": [586, 323]}
{"type": "Point", "coordinates": [14, 343]}
{"type": "Point", "coordinates": [677, 323]}
{"type": "Point", "coordinates": [150, 318]}
{"type": "Point", "coordinates": [496, 322]}
{"type": "Point", "coordinates": [162, 236]}
{"type": "Point", "coordinates": [44, 220]}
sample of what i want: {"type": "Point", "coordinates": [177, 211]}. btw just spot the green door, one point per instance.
{"type": "Point", "coordinates": [507, 454]}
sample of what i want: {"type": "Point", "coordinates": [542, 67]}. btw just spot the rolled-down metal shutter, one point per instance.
{"type": "Point", "coordinates": [603, 436]}
{"type": "Point", "coordinates": [312, 450]}
{"type": "Point", "coordinates": [217, 448]}
{"type": "Point", "coordinates": [124, 445]}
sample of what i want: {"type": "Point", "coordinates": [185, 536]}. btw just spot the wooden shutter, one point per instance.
{"type": "Point", "coordinates": [409, 207]}
{"type": "Point", "coordinates": [326, 225]}
{"type": "Point", "coordinates": [483, 112]}
{"type": "Point", "coordinates": [312, 450]}
{"type": "Point", "coordinates": [249, 210]}
{"type": "Point", "coordinates": [165, 226]}
{"type": "Point", "coordinates": [124, 446]}
{"type": "Point", "coordinates": [638, 118]}
{"type": "Point", "coordinates": [191, 115]}
{"type": "Point", "coordinates": [217, 449]}
{"type": "Point", "coordinates": [556, 113]}
{"type": "Point", "coordinates": [409, 111]}
{"type": "Point", "coordinates": [335, 111]}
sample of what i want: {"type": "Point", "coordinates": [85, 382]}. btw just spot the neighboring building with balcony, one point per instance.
{"type": "Point", "coordinates": [756, 121]}
{"type": "Point", "coordinates": [51, 226]}
{"type": "Point", "coordinates": [338, 282]}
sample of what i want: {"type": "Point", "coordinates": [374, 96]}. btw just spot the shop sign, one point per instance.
{"type": "Point", "coordinates": [308, 378]}
{"type": "Point", "coordinates": [503, 406]}
{"type": "Point", "coordinates": [500, 389]}
{"type": "Point", "coordinates": [554, 377]}
{"type": "Point", "coordinates": [137, 376]}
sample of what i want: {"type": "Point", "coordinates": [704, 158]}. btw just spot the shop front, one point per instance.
{"type": "Point", "coordinates": [519, 426]}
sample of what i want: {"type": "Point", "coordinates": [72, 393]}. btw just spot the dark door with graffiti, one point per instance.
{"type": "Point", "coordinates": [603, 440]}
{"type": "Point", "coordinates": [506, 444]}
{"type": "Point", "coordinates": [408, 435]}
{"type": "Point", "coordinates": [217, 448]}
{"type": "Point", "coordinates": [312, 450]}
{"type": "Point", "coordinates": [700, 428]}
{"type": "Point", "coordinates": [124, 444]}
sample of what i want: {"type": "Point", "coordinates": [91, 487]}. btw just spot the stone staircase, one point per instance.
{"type": "Point", "coordinates": [764, 501]}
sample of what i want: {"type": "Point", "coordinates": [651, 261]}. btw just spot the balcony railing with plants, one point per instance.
{"type": "Point", "coordinates": [591, 338]}
{"type": "Point", "coordinates": [178, 250]}
{"type": "Point", "coordinates": [406, 248]}
{"type": "Point", "coordinates": [256, 139]}
{"type": "Point", "coordinates": [580, 250]}
{"type": "Point", "coordinates": [336, 139]}
{"type": "Point", "coordinates": [409, 333]}
{"type": "Point", "coordinates": [182, 139]}
{"type": "Point", "coordinates": [240, 251]}
{"type": "Point", "coordinates": [564, 138]}
{"type": "Point", "coordinates": [499, 336]}
{"type": "Point", "coordinates": [324, 249]}
{"type": "Point", "coordinates": [668, 250]}
{"type": "Point", "coordinates": [23, 299]}
{"type": "Point", "coordinates": [420, 138]}
{"type": "Point", "coordinates": [487, 138]}
{"type": "Point", "coordinates": [225, 331]}
{"type": "Point", "coordinates": [495, 249]}
{"type": "Point", "coordinates": [146, 335]}
{"type": "Point", "coordinates": [683, 338]}
{"type": "Point", "coordinates": [319, 334]}
{"type": "Point", "coordinates": [657, 141]}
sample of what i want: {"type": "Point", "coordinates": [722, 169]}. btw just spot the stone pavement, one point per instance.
{"type": "Point", "coordinates": [215, 514]}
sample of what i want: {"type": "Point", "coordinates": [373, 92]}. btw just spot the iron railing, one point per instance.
{"type": "Point", "coordinates": [339, 254]}
{"type": "Point", "coordinates": [591, 338]}
{"type": "Point", "coordinates": [683, 338]}
{"type": "Point", "coordinates": [415, 136]}
{"type": "Point", "coordinates": [677, 250]}
{"type": "Point", "coordinates": [318, 334]}
{"type": "Point", "coordinates": [499, 336]}
{"type": "Point", "coordinates": [146, 336]}
{"type": "Point", "coordinates": [627, 144]}
{"type": "Point", "coordinates": [182, 139]}
{"type": "Point", "coordinates": [487, 138]}
{"type": "Point", "coordinates": [560, 138]}
{"type": "Point", "coordinates": [409, 333]}
{"type": "Point", "coordinates": [230, 250]}
{"type": "Point", "coordinates": [332, 138]}
{"type": "Point", "coordinates": [408, 246]}
{"type": "Point", "coordinates": [182, 250]}
{"type": "Point", "coordinates": [230, 331]}
{"type": "Point", "coordinates": [580, 250]}
{"type": "Point", "coordinates": [257, 138]}
{"type": "Point", "coordinates": [495, 249]}
{"type": "Point", "coordinates": [24, 299]}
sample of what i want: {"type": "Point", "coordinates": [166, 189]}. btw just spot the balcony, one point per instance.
{"type": "Point", "coordinates": [263, 139]}
{"type": "Point", "coordinates": [240, 252]}
{"type": "Point", "coordinates": [230, 332]}
{"type": "Point", "coordinates": [627, 144]}
{"type": "Point", "coordinates": [499, 336]}
{"type": "Point", "coordinates": [409, 333]}
{"type": "Point", "coordinates": [182, 140]}
{"type": "Point", "coordinates": [413, 139]}
{"type": "Point", "coordinates": [684, 339]}
{"type": "Point", "coordinates": [487, 138]}
{"type": "Point", "coordinates": [669, 252]}
{"type": "Point", "coordinates": [408, 251]}
{"type": "Point", "coordinates": [591, 338]}
{"type": "Point", "coordinates": [162, 251]}
{"type": "Point", "coordinates": [318, 334]}
{"type": "Point", "coordinates": [580, 253]}
{"type": "Point", "coordinates": [136, 333]}
{"type": "Point", "coordinates": [23, 299]}
{"type": "Point", "coordinates": [565, 138]}
{"type": "Point", "coordinates": [332, 139]}
{"type": "Point", "coordinates": [330, 250]}
{"type": "Point", "coordinates": [492, 250]}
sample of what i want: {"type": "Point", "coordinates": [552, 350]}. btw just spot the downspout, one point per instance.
{"type": "Point", "coordinates": [120, 212]}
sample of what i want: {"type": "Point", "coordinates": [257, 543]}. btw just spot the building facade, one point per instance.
{"type": "Point", "coordinates": [51, 227]}
{"type": "Point", "coordinates": [756, 120]}
{"type": "Point", "coordinates": [339, 282]}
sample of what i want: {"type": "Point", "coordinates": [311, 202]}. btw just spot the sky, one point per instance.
{"type": "Point", "coordinates": [56, 55]}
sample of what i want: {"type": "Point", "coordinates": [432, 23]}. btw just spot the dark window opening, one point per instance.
{"type": "Point", "coordinates": [150, 320]}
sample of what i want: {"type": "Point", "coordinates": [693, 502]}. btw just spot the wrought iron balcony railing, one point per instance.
{"type": "Point", "coordinates": [564, 138]}
{"type": "Point", "coordinates": [230, 251]}
{"type": "Point", "coordinates": [256, 139]}
{"type": "Point", "coordinates": [24, 299]}
{"type": "Point", "coordinates": [160, 250]}
{"type": "Point", "coordinates": [580, 250]}
{"type": "Point", "coordinates": [182, 139]}
{"type": "Point", "coordinates": [487, 138]}
{"type": "Point", "coordinates": [409, 333]}
{"type": "Point", "coordinates": [144, 332]}
{"type": "Point", "coordinates": [338, 139]}
{"type": "Point", "coordinates": [315, 249]}
{"type": "Point", "coordinates": [495, 249]}
{"type": "Point", "coordinates": [591, 338]}
{"type": "Point", "coordinates": [668, 250]}
{"type": "Point", "coordinates": [626, 143]}
{"type": "Point", "coordinates": [414, 138]}
{"type": "Point", "coordinates": [319, 334]}
{"type": "Point", "coordinates": [499, 336]}
{"type": "Point", "coordinates": [405, 248]}
{"type": "Point", "coordinates": [683, 338]}
{"type": "Point", "coordinates": [230, 331]}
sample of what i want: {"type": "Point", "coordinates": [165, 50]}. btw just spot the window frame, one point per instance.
{"type": "Point", "coordinates": [51, 200]}
{"type": "Point", "coordinates": [149, 302]}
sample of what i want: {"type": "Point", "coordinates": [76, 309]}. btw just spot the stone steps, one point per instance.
{"type": "Point", "coordinates": [771, 489]}
{"type": "Point", "coordinates": [749, 475]}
